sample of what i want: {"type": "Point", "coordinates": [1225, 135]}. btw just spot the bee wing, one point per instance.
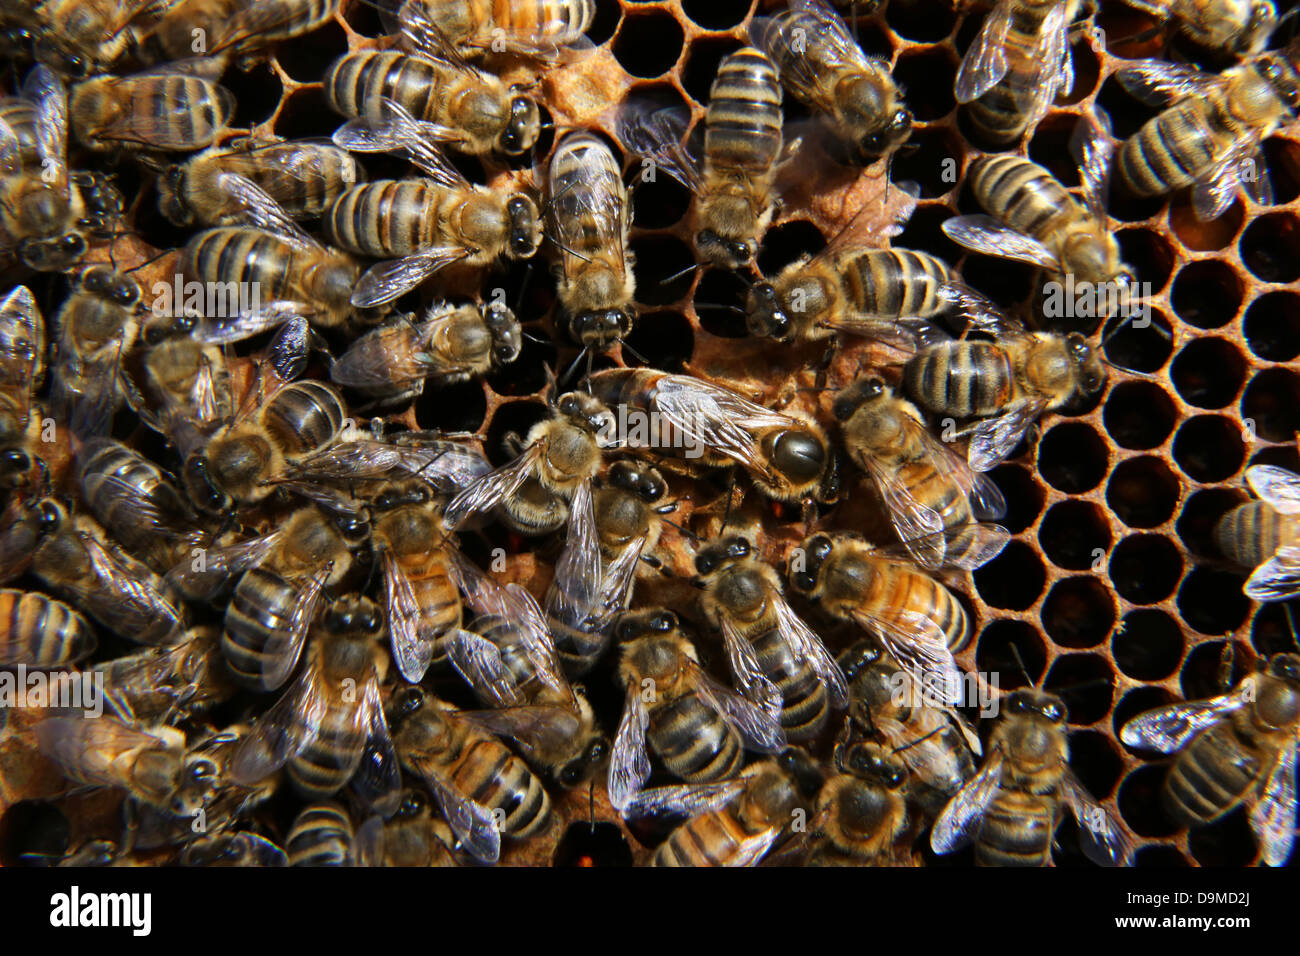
{"type": "Point", "coordinates": [789, 51]}
{"type": "Point", "coordinates": [985, 63]}
{"type": "Point", "coordinates": [1168, 729]}
{"type": "Point", "coordinates": [715, 418]}
{"type": "Point", "coordinates": [521, 607]}
{"type": "Point", "coordinates": [575, 592]}
{"type": "Point", "coordinates": [412, 644]}
{"type": "Point", "coordinates": [993, 439]}
{"type": "Point", "coordinates": [122, 595]}
{"type": "Point", "coordinates": [385, 281]}
{"type": "Point", "coordinates": [753, 848]}
{"type": "Point", "coordinates": [920, 647]}
{"type": "Point", "coordinates": [587, 217]}
{"type": "Point", "coordinates": [205, 67]}
{"type": "Point", "coordinates": [284, 649]}
{"type": "Point", "coordinates": [368, 844]}
{"type": "Point", "coordinates": [397, 130]}
{"type": "Point", "coordinates": [808, 647]}
{"type": "Point", "coordinates": [1158, 82]}
{"type": "Point", "coordinates": [753, 683]}
{"type": "Point", "coordinates": [45, 91]}
{"type": "Point", "coordinates": [979, 312]}
{"type": "Point", "coordinates": [1277, 578]}
{"type": "Point", "coordinates": [1273, 816]}
{"type": "Point", "coordinates": [18, 366]}
{"type": "Point", "coordinates": [223, 330]}
{"type": "Point", "coordinates": [11, 149]}
{"type": "Point", "coordinates": [292, 723]}
{"type": "Point", "coordinates": [537, 728]}
{"type": "Point", "coordinates": [492, 489]}
{"type": "Point", "coordinates": [262, 212]}
{"type": "Point", "coordinates": [985, 497]}
{"type": "Point", "coordinates": [928, 758]}
{"type": "Point", "coordinates": [378, 778]}
{"type": "Point", "coordinates": [688, 799]}
{"type": "Point", "coordinates": [423, 36]}
{"type": "Point", "coordinates": [479, 661]}
{"type": "Point", "coordinates": [474, 824]}
{"type": "Point", "coordinates": [919, 526]}
{"type": "Point", "coordinates": [656, 134]}
{"type": "Point", "coordinates": [629, 764]}
{"type": "Point", "coordinates": [208, 569]}
{"type": "Point", "coordinates": [760, 730]}
{"type": "Point", "coordinates": [1101, 839]}
{"type": "Point", "coordinates": [957, 823]}
{"type": "Point", "coordinates": [986, 235]}
{"type": "Point", "coordinates": [1054, 70]}
{"type": "Point", "coordinates": [1279, 487]}
{"type": "Point", "coordinates": [1214, 194]}
{"type": "Point", "coordinates": [70, 741]}
{"type": "Point", "coordinates": [1092, 146]}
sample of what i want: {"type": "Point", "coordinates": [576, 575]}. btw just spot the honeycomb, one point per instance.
{"type": "Point", "coordinates": [1111, 583]}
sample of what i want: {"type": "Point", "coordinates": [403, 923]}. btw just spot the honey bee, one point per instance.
{"type": "Point", "coordinates": [358, 458]}
{"type": "Point", "coordinates": [303, 177]}
{"type": "Point", "coordinates": [734, 186]}
{"type": "Point", "coordinates": [1239, 747]}
{"type": "Point", "coordinates": [98, 324]}
{"type": "Point", "coordinates": [517, 26]}
{"type": "Point", "coordinates": [160, 683]}
{"type": "Point", "coordinates": [329, 727]}
{"type": "Point", "coordinates": [1265, 534]}
{"type": "Point", "coordinates": [483, 790]}
{"type": "Point", "coordinates": [321, 835]}
{"type": "Point", "coordinates": [174, 106]}
{"type": "Point", "coordinates": [861, 811]}
{"type": "Point", "coordinates": [732, 822]}
{"type": "Point", "coordinates": [695, 726]}
{"type": "Point", "coordinates": [1210, 131]}
{"type": "Point", "coordinates": [22, 368]}
{"type": "Point", "coordinates": [778, 662]}
{"type": "Point", "coordinates": [1010, 809]}
{"type": "Point", "coordinates": [238, 26]}
{"type": "Point", "coordinates": [412, 837]}
{"type": "Point", "coordinates": [1008, 383]}
{"type": "Point", "coordinates": [590, 220]}
{"type": "Point", "coordinates": [242, 848]}
{"type": "Point", "coordinates": [39, 631]}
{"type": "Point", "coordinates": [933, 497]}
{"type": "Point", "coordinates": [559, 456]}
{"type": "Point", "coordinates": [1035, 220]}
{"type": "Point", "coordinates": [452, 344]}
{"type": "Point", "coordinates": [157, 767]}
{"type": "Point", "coordinates": [788, 455]}
{"type": "Point", "coordinates": [822, 66]}
{"type": "Point", "coordinates": [88, 37]}
{"type": "Point", "coordinates": [1240, 27]}
{"type": "Point", "coordinates": [189, 383]}
{"type": "Point", "coordinates": [916, 618]}
{"type": "Point", "coordinates": [1016, 66]}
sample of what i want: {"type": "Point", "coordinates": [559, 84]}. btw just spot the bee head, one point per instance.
{"type": "Point", "coordinates": [886, 139]}
{"type": "Point", "coordinates": [860, 657]}
{"type": "Point", "coordinates": [49, 515]}
{"type": "Point", "coordinates": [723, 252]}
{"type": "Point", "coordinates": [198, 778]}
{"type": "Point", "coordinates": [869, 761]}
{"type": "Point", "coordinates": [1259, 27]}
{"type": "Point", "coordinates": [354, 615]}
{"type": "Point", "coordinates": [765, 313]}
{"type": "Point", "coordinates": [805, 565]}
{"type": "Point", "coordinates": [861, 392]}
{"type": "Point", "coordinates": [634, 624]}
{"type": "Point", "coordinates": [1089, 370]}
{"type": "Point", "coordinates": [507, 335]}
{"type": "Point", "coordinates": [581, 768]}
{"type": "Point", "coordinates": [600, 328]}
{"type": "Point", "coordinates": [412, 805]}
{"type": "Point", "coordinates": [587, 412]}
{"type": "Point", "coordinates": [203, 488]}
{"type": "Point", "coordinates": [522, 127]}
{"type": "Point", "coordinates": [729, 550]}
{"type": "Point", "coordinates": [802, 769]}
{"type": "Point", "coordinates": [107, 283]}
{"type": "Point", "coordinates": [800, 456]}
{"type": "Point", "coordinates": [525, 227]}
{"type": "Point", "coordinates": [1035, 704]}
{"type": "Point", "coordinates": [643, 481]}
{"type": "Point", "coordinates": [53, 254]}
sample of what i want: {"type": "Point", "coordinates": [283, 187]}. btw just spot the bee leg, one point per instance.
{"type": "Point", "coordinates": [130, 826]}
{"type": "Point", "coordinates": [513, 442]}
{"type": "Point", "coordinates": [809, 513]}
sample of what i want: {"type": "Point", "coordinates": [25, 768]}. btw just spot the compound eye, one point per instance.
{"type": "Point", "coordinates": [664, 622]}
{"type": "Point", "coordinates": [1053, 711]}
{"type": "Point", "coordinates": [706, 563]}
{"type": "Point", "coordinates": [820, 546]}
{"type": "Point", "coordinates": [739, 548]}
{"type": "Point", "coordinates": [803, 580]}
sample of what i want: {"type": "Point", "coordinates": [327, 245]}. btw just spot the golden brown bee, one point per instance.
{"type": "Point", "coordinates": [822, 66]}
{"type": "Point", "coordinates": [1012, 807]}
{"type": "Point", "coordinates": [329, 727]}
{"type": "Point", "coordinates": [861, 811]}
{"type": "Point", "coordinates": [733, 822]}
{"type": "Point", "coordinates": [361, 458]}
{"type": "Point", "coordinates": [559, 457]}
{"type": "Point", "coordinates": [237, 26]}
{"type": "Point", "coordinates": [451, 344]}
{"type": "Point", "coordinates": [589, 223]}
{"type": "Point", "coordinates": [788, 454]}
{"type": "Point", "coordinates": [1016, 66]}
{"type": "Point", "coordinates": [695, 726]}
{"type": "Point", "coordinates": [98, 324]}
{"type": "Point", "coordinates": [1007, 383]}
{"type": "Point", "coordinates": [304, 178]}
{"type": "Point", "coordinates": [1210, 132]}
{"type": "Point", "coordinates": [1265, 534]}
{"type": "Point", "coordinates": [411, 837]}
{"type": "Point", "coordinates": [321, 835]}
{"type": "Point", "coordinates": [189, 383]}
{"type": "Point", "coordinates": [175, 106]}
{"type": "Point", "coordinates": [932, 495]}
{"type": "Point", "coordinates": [233, 849]}
{"type": "Point", "coordinates": [517, 26]}
{"type": "Point", "coordinates": [161, 683]}
{"type": "Point", "coordinates": [39, 631]}
{"type": "Point", "coordinates": [734, 186]}
{"type": "Point", "coordinates": [22, 368]}
{"type": "Point", "coordinates": [1239, 747]}
{"type": "Point", "coordinates": [777, 660]}
{"type": "Point", "coordinates": [88, 36]}
{"type": "Point", "coordinates": [1241, 27]}
{"type": "Point", "coordinates": [917, 619]}
{"type": "Point", "coordinates": [483, 790]}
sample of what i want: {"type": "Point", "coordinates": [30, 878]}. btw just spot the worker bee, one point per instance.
{"type": "Point", "coordinates": [411, 837]}
{"type": "Point", "coordinates": [695, 726]}
{"type": "Point", "coordinates": [22, 368]}
{"type": "Point", "coordinates": [732, 822]}
{"type": "Point", "coordinates": [937, 504]}
{"type": "Point", "coordinates": [1016, 66]}
{"type": "Point", "coordinates": [1035, 220]}
{"type": "Point", "coordinates": [917, 619]}
{"type": "Point", "coordinates": [823, 67]}
{"type": "Point", "coordinates": [156, 767]}
{"type": "Point", "coordinates": [1265, 534]}
{"type": "Point", "coordinates": [861, 811]}
{"type": "Point", "coordinates": [321, 835]}
{"type": "Point", "coordinates": [1237, 747]}
{"type": "Point", "coordinates": [81, 37]}
{"type": "Point", "coordinates": [534, 29]}
{"type": "Point", "coordinates": [329, 727]}
{"type": "Point", "coordinates": [178, 680]}
{"type": "Point", "coordinates": [361, 458]}
{"type": "Point", "coordinates": [242, 848]}
{"type": "Point", "coordinates": [589, 223]}
{"type": "Point", "coordinates": [1010, 809]}
{"type": "Point", "coordinates": [238, 27]}
{"type": "Point", "coordinates": [303, 177]}
{"type": "Point", "coordinates": [787, 454]}
{"type": "Point", "coordinates": [174, 106]}
{"type": "Point", "coordinates": [734, 186]}
{"type": "Point", "coordinates": [1209, 134]}
{"type": "Point", "coordinates": [451, 344]}
{"type": "Point", "coordinates": [188, 382]}
{"type": "Point", "coordinates": [559, 456]}
{"type": "Point", "coordinates": [483, 790]}
{"type": "Point", "coordinates": [39, 631]}
{"type": "Point", "coordinates": [1240, 27]}
{"type": "Point", "coordinates": [1007, 383]}
{"type": "Point", "coordinates": [777, 660]}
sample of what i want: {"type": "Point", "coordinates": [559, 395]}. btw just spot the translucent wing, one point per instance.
{"type": "Point", "coordinates": [790, 49]}
{"type": "Point", "coordinates": [258, 209]}
{"type": "Point", "coordinates": [657, 134]}
{"type": "Point", "coordinates": [292, 723]}
{"type": "Point", "coordinates": [985, 63]}
{"type": "Point", "coordinates": [44, 90]}
{"type": "Point", "coordinates": [537, 728]}
{"type": "Point", "coordinates": [918, 525]}
{"type": "Point", "coordinates": [422, 35]}
{"type": "Point", "coordinates": [981, 313]}
{"type": "Point", "coordinates": [208, 569]}
{"type": "Point", "coordinates": [1093, 148]}
{"type": "Point", "coordinates": [1273, 817]}
{"type": "Point", "coordinates": [126, 598]}
{"type": "Point", "coordinates": [448, 467]}
{"type": "Point", "coordinates": [808, 647]}
{"type": "Point", "coordinates": [385, 281]}
{"type": "Point", "coordinates": [708, 416]}
{"type": "Point", "coordinates": [684, 800]}
{"type": "Point", "coordinates": [225, 329]}
{"type": "Point", "coordinates": [1214, 194]}
{"type": "Point", "coordinates": [1168, 729]}
{"type": "Point", "coordinates": [986, 235]}
{"type": "Point", "coordinates": [979, 544]}
{"type": "Point", "coordinates": [629, 764]}
{"type": "Point", "coordinates": [930, 759]}
{"type": "Point", "coordinates": [760, 731]}
{"type": "Point", "coordinates": [411, 639]}
{"type": "Point", "coordinates": [1279, 487]}
{"type": "Point", "coordinates": [754, 847]}
{"type": "Point", "coordinates": [1277, 578]}
{"type": "Point", "coordinates": [920, 646]}
{"type": "Point", "coordinates": [1055, 71]}
{"type": "Point", "coordinates": [959, 821]}
{"type": "Point", "coordinates": [479, 661]}
{"type": "Point", "coordinates": [284, 648]}
{"type": "Point", "coordinates": [489, 491]}
{"type": "Point", "coordinates": [993, 439]}
{"type": "Point", "coordinates": [1101, 839]}
{"type": "Point", "coordinates": [576, 588]}
{"type": "Point", "coordinates": [589, 207]}
{"type": "Point", "coordinates": [1158, 82]}
{"type": "Point", "coordinates": [396, 130]}
{"type": "Point", "coordinates": [378, 776]}
{"type": "Point", "coordinates": [473, 823]}
{"type": "Point", "coordinates": [753, 683]}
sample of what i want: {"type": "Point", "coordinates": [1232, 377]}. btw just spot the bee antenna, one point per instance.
{"type": "Point", "coordinates": [635, 354]}
{"type": "Point", "coordinates": [533, 338]}
{"type": "Point", "coordinates": [1020, 662]}
{"type": "Point", "coordinates": [568, 374]}
{"type": "Point", "coordinates": [1286, 606]}
{"type": "Point", "coordinates": [146, 262]}
{"type": "Point", "coordinates": [908, 746]}
{"type": "Point", "coordinates": [719, 305]}
{"type": "Point", "coordinates": [677, 275]}
{"type": "Point", "coordinates": [683, 529]}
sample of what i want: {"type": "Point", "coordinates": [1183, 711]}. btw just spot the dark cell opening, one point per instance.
{"type": "Point", "coordinates": [1096, 762]}
{"type": "Point", "coordinates": [1078, 612]}
{"type": "Point", "coordinates": [923, 20]}
{"type": "Point", "coordinates": [33, 833]}
{"type": "Point", "coordinates": [701, 67]}
{"type": "Point", "coordinates": [1139, 415]}
{"type": "Point", "coordinates": [1209, 448]}
{"type": "Point", "coordinates": [306, 58]}
{"type": "Point", "coordinates": [926, 77]}
{"type": "Point", "coordinates": [592, 845]}
{"type": "Point", "coordinates": [257, 93]}
{"type": "Point", "coordinates": [1085, 682]}
{"type": "Point", "coordinates": [1202, 675]}
{"type": "Point", "coordinates": [608, 16]}
{"type": "Point", "coordinates": [1272, 326]}
{"type": "Point", "coordinates": [512, 417]}
{"type": "Point", "coordinates": [716, 14]}
{"type": "Point", "coordinates": [1159, 856]}
{"type": "Point", "coordinates": [1206, 294]}
{"type": "Point", "coordinates": [1013, 580]}
{"type": "Point", "coordinates": [1050, 148]}
{"type": "Point", "coordinates": [994, 654]}
{"type": "Point", "coordinates": [1145, 568]}
{"type": "Point", "coordinates": [932, 164]}
{"type": "Point", "coordinates": [1138, 344]}
{"type": "Point", "coordinates": [1072, 457]}
{"type": "Point", "coordinates": [1140, 805]}
{"type": "Point", "coordinates": [1148, 645]}
{"type": "Point", "coordinates": [1228, 841]}
{"type": "Point", "coordinates": [648, 43]}
{"type": "Point", "coordinates": [1075, 535]}
{"type": "Point", "coordinates": [527, 374]}
{"type": "Point", "coordinates": [663, 339]}
{"type": "Point", "coordinates": [453, 408]}
{"type": "Point", "coordinates": [1198, 235]}
{"type": "Point", "coordinates": [1143, 492]}
{"type": "Point", "coordinates": [660, 261]}
{"type": "Point", "coordinates": [1023, 494]}
{"type": "Point", "coordinates": [787, 242]}
{"type": "Point", "coordinates": [1199, 516]}
{"type": "Point", "coordinates": [1208, 372]}
{"type": "Point", "coordinates": [1211, 601]}
{"type": "Point", "coordinates": [720, 303]}
{"type": "Point", "coordinates": [1148, 254]}
{"type": "Point", "coordinates": [1272, 403]}
{"type": "Point", "coordinates": [1270, 247]}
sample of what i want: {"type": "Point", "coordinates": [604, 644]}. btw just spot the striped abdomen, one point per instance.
{"type": "Point", "coordinates": [20, 116]}
{"type": "Point", "coordinates": [894, 283]}
{"type": "Point", "coordinates": [505, 635]}
{"type": "Point", "coordinates": [898, 590]}
{"type": "Point", "coordinates": [965, 379]}
{"type": "Point", "coordinates": [1172, 150]}
{"type": "Point", "coordinates": [324, 765]}
{"type": "Point", "coordinates": [304, 417]}
{"type": "Point", "coordinates": [275, 20]}
{"type": "Point", "coordinates": [586, 177]}
{"type": "Point", "coordinates": [577, 647]}
{"type": "Point", "coordinates": [355, 82]}
{"type": "Point", "coordinates": [237, 254]}
{"type": "Point", "coordinates": [260, 616]}
{"type": "Point", "coordinates": [742, 131]}
{"type": "Point", "coordinates": [171, 112]}
{"type": "Point", "coordinates": [390, 218]}
{"type": "Point", "coordinates": [39, 631]}
{"type": "Point", "coordinates": [1211, 776]}
{"type": "Point", "coordinates": [487, 773]}
{"type": "Point", "coordinates": [1017, 829]}
{"type": "Point", "coordinates": [694, 742]}
{"type": "Point", "coordinates": [1000, 114]}
{"type": "Point", "coordinates": [321, 836]}
{"type": "Point", "coordinates": [710, 839]}
{"type": "Point", "coordinates": [473, 21]}
{"type": "Point", "coordinates": [1252, 532]}
{"type": "Point", "coordinates": [1023, 195]}
{"type": "Point", "coordinates": [805, 703]}
{"type": "Point", "coordinates": [304, 178]}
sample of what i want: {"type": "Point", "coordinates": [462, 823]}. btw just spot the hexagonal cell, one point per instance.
{"type": "Point", "coordinates": [659, 203]}
{"type": "Point", "coordinates": [460, 407]}
{"type": "Point", "coordinates": [1139, 415]}
{"type": "Point", "coordinates": [1209, 448]}
{"type": "Point", "coordinates": [717, 14]}
{"type": "Point", "coordinates": [307, 60]}
{"type": "Point", "coordinates": [1208, 372]}
{"type": "Point", "coordinates": [1196, 234]}
{"type": "Point", "coordinates": [1079, 612]}
{"type": "Point", "coordinates": [1206, 294]}
{"type": "Point", "coordinates": [926, 77]}
{"type": "Point", "coordinates": [1272, 326]}
{"type": "Point", "coordinates": [701, 66]}
{"type": "Point", "coordinates": [1148, 645]}
{"type": "Point", "coordinates": [1149, 255]}
{"type": "Point", "coordinates": [1003, 281]}
{"type": "Point", "coordinates": [1271, 632]}
{"type": "Point", "coordinates": [1137, 345]}
{"type": "Point", "coordinates": [1085, 682]}
{"type": "Point", "coordinates": [362, 19]}
{"type": "Point", "coordinates": [1072, 457]}
{"type": "Point", "coordinates": [1024, 496]}
{"type": "Point", "coordinates": [1145, 568]}
{"type": "Point", "coordinates": [608, 17]}
{"type": "Point", "coordinates": [1087, 70]}
{"type": "Point", "coordinates": [1003, 646]}
{"type": "Point", "coordinates": [33, 828]}
{"type": "Point", "coordinates": [1074, 535]}
{"type": "Point", "coordinates": [1203, 676]}
{"type": "Point", "coordinates": [660, 261]}
{"type": "Point", "coordinates": [719, 303]}
{"type": "Point", "coordinates": [1199, 516]}
{"type": "Point", "coordinates": [662, 340]}
{"type": "Point", "coordinates": [1050, 148]}
{"type": "Point", "coordinates": [923, 20]}
{"type": "Point", "coordinates": [931, 162]}
{"type": "Point", "coordinates": [787, 242]}
{"type": "Point", "coordinates": [1096, 762]}
{"type": "Point", "coordinates": [1272, 402]}
{"type": "Point", "coordinates": [648, 42]}
{"type": "Point", "coordinates": [258, 90]}
{"type": "Point", "coordinates": [1140, 803]}
{"type": "Point", "coordinates": [1228, 841]}
{"type": "Point", "coordinates": [1013, 580]}
{"type": "Point", "coordinates": [512, 417]}
{"type": "Point", "coordinates": [924, 231]}
{"type": "Point", "coordinates": [1270, 247]}
{"type": "Point", "coordinates": [1211, 601]}
{"type": "Point", "coordinates": [1283, 159]}
{"type": "Point", "coordinates": [1143, 492]}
